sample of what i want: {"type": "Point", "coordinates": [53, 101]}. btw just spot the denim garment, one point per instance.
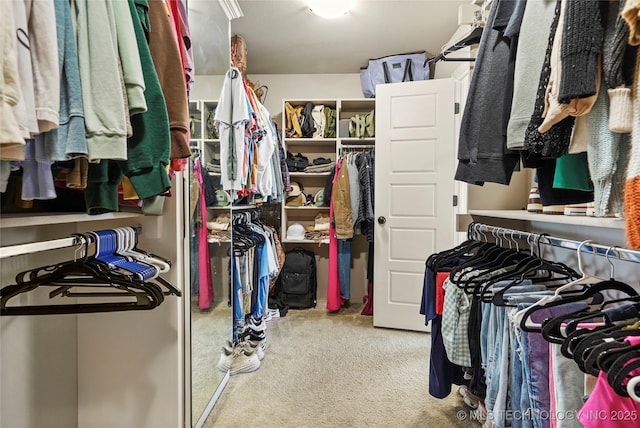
{"type": "Point", "coordinates": [496, 377]}
{"type": "Point", "coordinates": [495, 343]}
{"type": "Point", "coordinates": [537, 359]}
{"type": "Point", "coordinates": [344, 267]}
{"type": "Point", "coordinates": [238, 315]}
{"type": "Point", "coordinates": [259, 304]}
{"type": "Point", "coordinates": [516, 379]}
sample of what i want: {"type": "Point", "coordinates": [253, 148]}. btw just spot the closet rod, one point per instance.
{"type": "Point", "coordinates": [54, 244]}
{"type": "Point", "coordinates": [34, 247]}
{"type": "Point", "coordinates": [533, 238]}
{"type": "Point", "coordinates": [358, 146]}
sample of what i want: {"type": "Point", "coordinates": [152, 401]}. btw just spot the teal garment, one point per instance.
{"type": "Point", "coordinates": [101, 194]}
{"type": "Point", "coordinates": [69, 140]}
{"type": "Point", "coordinates": [149, 148]}
{"type": "Point", "coordinates": [572, 172]}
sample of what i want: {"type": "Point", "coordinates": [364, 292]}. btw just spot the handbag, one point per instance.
{"type": "Point", "coordinates": [398, 68]}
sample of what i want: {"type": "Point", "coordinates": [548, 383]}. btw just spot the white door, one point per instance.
{"type": "Point", "coordinates": [414, 187]}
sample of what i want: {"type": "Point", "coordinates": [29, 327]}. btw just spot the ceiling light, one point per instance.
{"type": "Point", "coordinates": [330, 8]}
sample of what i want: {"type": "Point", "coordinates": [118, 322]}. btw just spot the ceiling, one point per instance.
{"type": "Point", "coordinates": [284, 37]}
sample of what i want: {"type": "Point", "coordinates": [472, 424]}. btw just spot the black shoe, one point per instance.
{"type": "Point", "coordinates": [346, 303]}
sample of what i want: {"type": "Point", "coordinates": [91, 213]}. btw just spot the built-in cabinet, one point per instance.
{"type": "Point", "coordinates": [95, 369]}
{"type": "Point", "coordinates": [320, 148]}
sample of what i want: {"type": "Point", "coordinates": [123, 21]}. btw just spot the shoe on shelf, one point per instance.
{"type": "Point", "coordinates": [576, 209]}
{"type": "Point", "coordinates": [243, 362]}
{"type": "Point", "coordinates": [535, 204]}
{"type": "Point", "coordinates": [553, 209]}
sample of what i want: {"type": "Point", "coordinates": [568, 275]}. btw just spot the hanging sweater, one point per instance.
{"type": "Point", "coordinates": [603, 151]}
{"type": "Point", "coordinates": [148, 147]}
{"type": "Point", "coordinates": [581, 46]}
{"type": "Point", "coordinates": [44, 60]}
{"type": "Point", "coordinates": [102, 92]}
{"type": "Point", "coordinates": [10, 84]}
{"type": "Point", "coordinates": [482, 152]}
{"type": "Point", "coordinates": [69, 140]}
{"type": "Point", "coordinates": [555, 111]}
{"type": "Point", "coordinates": [537, 19]}
{"type": "Point", "coordinates": [168, 65]}
{"type": "Point", "coordinates": [631, 13]}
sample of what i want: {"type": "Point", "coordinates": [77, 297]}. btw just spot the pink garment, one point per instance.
{"type": "Point", "coordinates": [334, 300]}
{"type": "Point", "coordinates": [552, 389]}
{"type": "Point", "coordinates": [606, 409]}
{"type": "Point", "coordinates": [205, 283]}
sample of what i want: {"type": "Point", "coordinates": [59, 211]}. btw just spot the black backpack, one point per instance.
{"type": "Point", "coordinates": [297, 283]}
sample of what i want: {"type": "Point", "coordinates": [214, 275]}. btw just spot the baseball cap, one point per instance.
{"type": "Point", "coordinates": [296, 189]}
{"type": "Point", "coordinates": [295, 232]}
{"type": "Point", "coordinates": [296, 201]}
{"type": "Point", "coordinates": [222, 198]}
{"type": "Point", "coordinates": [318, 199]}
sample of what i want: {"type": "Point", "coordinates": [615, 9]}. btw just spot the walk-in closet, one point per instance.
{"type": "Point", "coordinates": [418, 213]}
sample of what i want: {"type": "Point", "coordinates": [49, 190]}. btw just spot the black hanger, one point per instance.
{"type": "Point", "coordinates": [66, 276]}
{"type": "Point", "coordinates": [590, 346]}
{"type": "Point", "coordinates": [592, 293]}
{"type": "Point", "coordinates": [84, 277]}
{"type": "Point", "coordinates": [471, 39]}
{"type": "Point", "coordinates": [624, 368]}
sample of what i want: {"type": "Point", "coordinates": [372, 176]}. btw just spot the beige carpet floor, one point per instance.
{"type": "Point", "coordinates": [337, 370]}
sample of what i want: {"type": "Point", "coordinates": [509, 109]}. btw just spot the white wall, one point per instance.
{"type": "Point", "coordinates": [289, 86]}
{"type": "Point", "coordinates": [38, 378]}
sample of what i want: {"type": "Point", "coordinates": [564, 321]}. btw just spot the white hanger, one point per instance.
{"type": "Point", "coordinates": [126, 246]}
{"type": "Point", "coordinates": [585, 279]}
{"type": "Point", "coordinates": [631, 388]}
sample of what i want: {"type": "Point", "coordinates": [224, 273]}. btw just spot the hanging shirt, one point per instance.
{"type": "Point", "coordinates": [231, 117]}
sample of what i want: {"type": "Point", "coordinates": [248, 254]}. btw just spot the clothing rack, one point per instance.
{"type": "Point", "coordinates": [54, 244]}
{"type": "Point", "coordinates": [358, 146]}
{"type": "Point", "coordinates": [34, 247]}
{"type": "Point", "coordinates": [539, 239]}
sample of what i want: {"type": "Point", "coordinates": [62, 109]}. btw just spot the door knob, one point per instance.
{"type": "Point", "coordinates": [382, 220]}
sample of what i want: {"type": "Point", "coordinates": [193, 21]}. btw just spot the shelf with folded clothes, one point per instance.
{"type": "Point", "coordinates": [356, 120]}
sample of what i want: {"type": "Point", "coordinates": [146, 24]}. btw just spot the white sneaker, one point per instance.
{"type": "Point", "coordinates": [251, 347]}
{"type": "Point", "coordinates": [226, 357]}
{"type": "Point", "coordinates": [274, 313]}
{"type": "Point", "coordinates": [243, 362]}
{"type": "Point", "coordinates": [262, 344]}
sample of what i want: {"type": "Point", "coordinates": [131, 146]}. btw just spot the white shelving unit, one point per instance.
{"type": "Point", "coordinates": [314, 148]}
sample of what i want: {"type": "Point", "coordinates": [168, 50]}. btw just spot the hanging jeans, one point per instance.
{"type": "Point", "coordinates": [344, 267]}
